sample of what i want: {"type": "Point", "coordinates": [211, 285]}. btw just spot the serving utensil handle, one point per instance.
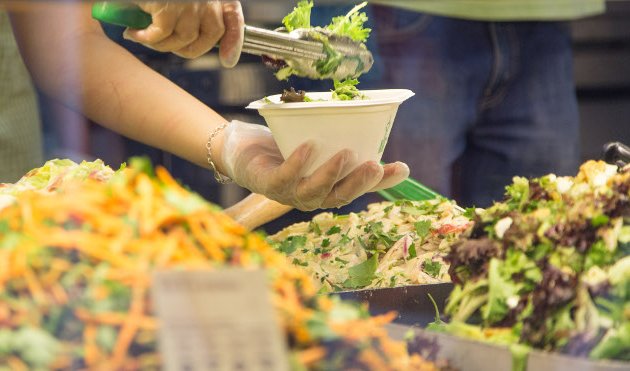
{"type": "Point", "coordinates": [256, 210]}
{"type": "Point", "coordinates": [122, 14]}
{"type": "Point", "coordinates": [617, 153]}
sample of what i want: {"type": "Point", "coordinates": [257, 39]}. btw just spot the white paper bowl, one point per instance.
{"type": "Point", "coordinates": [359, 125]}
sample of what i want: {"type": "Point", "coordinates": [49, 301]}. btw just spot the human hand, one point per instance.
{"type": "Point", "coordinates": [252, 159]}
{"type": "Point", "coordinates": [191, 29]}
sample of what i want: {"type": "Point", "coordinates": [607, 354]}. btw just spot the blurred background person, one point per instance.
{"type": "Point", "coordinates": [20, 131]}
{"type": "Point", "coordinates": [495, 94]}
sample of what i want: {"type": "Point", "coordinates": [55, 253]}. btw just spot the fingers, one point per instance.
{"type": "Point", "coordinates": [313, 190]}
{"type": "Point", "coordinates": [211, 30]}
{"type": "Point", "coordinates": [393, 174]}
{"type": "Point", "coordinates": [164, 19]}
{"type": "Point", "coordinates": [232, 41]}
{"type": "Point", "coordinates": [358, 182]}
{"type": "Point", "coordinates": [287, 175]}
{"type": "Point", "coordinates": [191, 29]}
{"type": "Point", "coordinates": [186, 29]}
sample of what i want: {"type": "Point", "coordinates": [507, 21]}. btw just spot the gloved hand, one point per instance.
{"type": "Point", "coordinates": [191, 29]}
{"type": "Point", "coordinates": [252, 159]}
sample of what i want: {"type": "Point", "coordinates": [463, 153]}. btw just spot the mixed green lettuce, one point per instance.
{"type": "Point", "coordinates": [349, 26]}
{"type": "Point", "coordinates": [300, 17]}
{"type": "Point", "coordinates": [53, 174]}
{"type": "Point", "coordinates": [549, 267]}
{"type": "Point", "coordinates": [346, 90]}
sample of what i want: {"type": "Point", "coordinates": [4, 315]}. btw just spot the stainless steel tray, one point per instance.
{"type": "Point", "coordinates": [411, 302]}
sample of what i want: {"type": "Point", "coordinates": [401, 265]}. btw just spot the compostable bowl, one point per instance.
{"type": "Point", "coordinates": [362, 126]}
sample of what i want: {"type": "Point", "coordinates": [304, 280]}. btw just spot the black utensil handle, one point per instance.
{"type": "Point", "coordinates": [617, 153]}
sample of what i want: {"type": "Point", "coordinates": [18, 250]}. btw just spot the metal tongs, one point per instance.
{"type": "Point", "coordinates": [616, 153]}
{"type": "Point", "coordinates": [300, 49]}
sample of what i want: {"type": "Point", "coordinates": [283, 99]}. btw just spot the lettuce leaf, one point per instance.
{"type": "Point", "coordinates": [351, 24]}
{"type": "Point", "coordinates": [300, 17]}
{"type": "Point", "coordinates": [346, 90]}
{"type": "Point", "coordinates": [500, 291]}
{"type": "Point", "coordinates": [362, 274]}
{"type": "Point", "coordinates": [56, 172]}
{"type": "Point", "coordinates": [614, 345]}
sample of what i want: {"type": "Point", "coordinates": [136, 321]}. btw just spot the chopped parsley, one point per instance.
{"type": "Point", "coordinates": [412, 251]}
{"type": "Point", "coordinates": [432, 268]}
{"type": "Point", "coordinates": [291, 244]}
{"type": "Point", "coordinates": [344, 240]}
{"type": "Point", "coordinates": [300, 263]}
{"type": "Point", "coordinates": [422, 228]}
{"type": "Point", "coordinates": [333, 230]}
{"type": "Point", "coordinates": [314, 228]}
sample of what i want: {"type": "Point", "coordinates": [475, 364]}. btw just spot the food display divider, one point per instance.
{"type": "Point", "coordinates": [471, 355]}
{"type": "Point", "coordinates": [412, 303]}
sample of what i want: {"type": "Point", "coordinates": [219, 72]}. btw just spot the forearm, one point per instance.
{"type": "Point", "coordinates": [72, 60]}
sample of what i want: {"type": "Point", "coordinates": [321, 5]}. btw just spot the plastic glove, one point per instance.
{"type": "Point", "coordinates": [252, 159]}
{"type": "Point", "coordinates": [191, 29]}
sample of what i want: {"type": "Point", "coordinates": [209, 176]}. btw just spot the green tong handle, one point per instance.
{"type": "Point", "coordinates": [409, 189]}
{"type": "Point", "coordinates": [121, 14]}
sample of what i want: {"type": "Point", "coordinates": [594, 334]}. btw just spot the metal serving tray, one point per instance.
{"type": "Point", "coordinates": [411, 302]}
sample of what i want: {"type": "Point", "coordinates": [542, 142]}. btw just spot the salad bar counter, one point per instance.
{"type": "Point", "coordinates": [90, 257]}
{"type": "Point", "coordinates": [543, 275]}
{"type": "Point", "coordinates": [547, 268]}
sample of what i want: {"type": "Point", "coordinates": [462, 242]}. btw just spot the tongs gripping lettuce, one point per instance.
{"type": "Point", "coordinates": [350, 26]}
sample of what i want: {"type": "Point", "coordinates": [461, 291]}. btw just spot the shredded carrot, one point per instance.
{"type": "Point", "coordinates": [311, 355]}
{"type": "Point", "coordinates": [5, 313]}
{"type": "Point", "coordinates": [130, 327]}
{"type": "Point", "coordinates": [16, 364]}
{"type": "Point", "coordinates": [115, 319]}
{"type": "Point", "coordinates": [90, 242]}
{"type": "Point", "coordinates": [59, 294]}
{"type": "Point", "coordinates": [91, 348]}
{"type": "Point", "coordinates": [212, 247]}
{"type": "Point", "coordinates": [34, 286]}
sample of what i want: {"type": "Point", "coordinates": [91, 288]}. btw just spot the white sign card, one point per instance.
{"type": "Point", "coordinates": [220, 320]}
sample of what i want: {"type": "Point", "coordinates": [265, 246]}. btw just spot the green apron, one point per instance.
{"type": "Point", "coordinates": [503, 10]}
{"type": "Point", "coordinates": [20, 132]}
